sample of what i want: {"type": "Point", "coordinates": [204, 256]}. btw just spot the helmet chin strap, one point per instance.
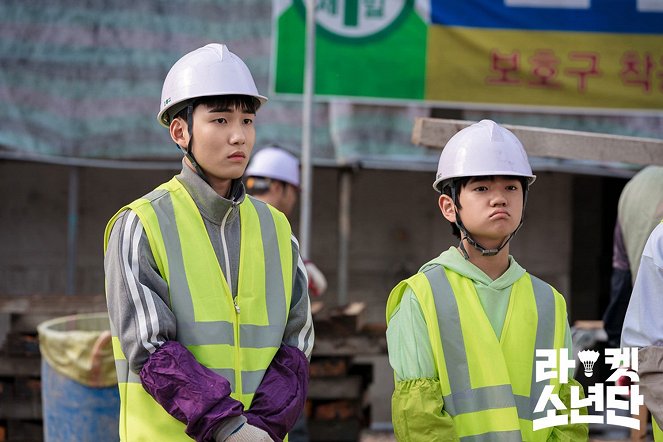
{"type": "Point", "coordinates": [465, 235]}
{"type": "Point", "coordinates": [188, 152]}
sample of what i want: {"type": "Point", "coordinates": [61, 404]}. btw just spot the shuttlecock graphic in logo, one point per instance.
{"type": "Point", "coordinates": [588, 358]}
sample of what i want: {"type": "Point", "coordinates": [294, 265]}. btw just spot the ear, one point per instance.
{"type": "Point", "coordinates": [179, 132]}
{"type": "Point", "coordinates": [447, 207]}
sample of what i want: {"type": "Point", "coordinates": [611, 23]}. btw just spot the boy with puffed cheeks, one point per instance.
{"type": "Point", "coordinates": [463, 332]}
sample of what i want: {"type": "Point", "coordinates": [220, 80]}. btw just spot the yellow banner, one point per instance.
{"type": "Point", "coordinates": [544, 68]}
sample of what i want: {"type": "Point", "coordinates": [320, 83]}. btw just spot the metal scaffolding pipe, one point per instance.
{"type": "Point", "coordinates": [72, 229]}
{"type": "Point", "coordinates": [307, 122]}
{"type": "Point", "coordinates": [344, 217]}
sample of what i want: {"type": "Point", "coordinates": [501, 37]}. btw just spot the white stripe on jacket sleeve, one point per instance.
{"type": "Point", "coordinates": [130, 242]}
{"type": "Point", "coordinates": [304, 344]}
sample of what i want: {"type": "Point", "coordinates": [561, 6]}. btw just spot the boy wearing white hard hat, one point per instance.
{"type": "Point", "coordinates": [273, 177]}
{"type": "Point", "coordinates": [463, 332]}
{"type": "Point", "coordinates": [206, 292]}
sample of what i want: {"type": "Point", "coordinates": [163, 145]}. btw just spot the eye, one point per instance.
{"type": "Point", "coordinates": [512, 187]}
{"type": "Point", "coordinates": [480, 189]}
{"type": "Point", "coordinates": [248, 121]}
{"type": "Point", "coordinates": [221, 120]}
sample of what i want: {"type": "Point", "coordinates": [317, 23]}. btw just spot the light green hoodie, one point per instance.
{"type": "Point", "coordinates": [410, 353]}
{"type": "Point", "coordinates": [494, 295]}
{"type": "Point", "coordinates": [417, 406]}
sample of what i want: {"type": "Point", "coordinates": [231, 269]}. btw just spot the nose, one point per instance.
{"type": "Point", "coordinates": [237, 137]}
{"type": "Point", "coordinates": [498, 199]}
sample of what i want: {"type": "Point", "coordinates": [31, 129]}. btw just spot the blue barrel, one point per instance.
{"type": "Point", "coordinates": [80, 398]}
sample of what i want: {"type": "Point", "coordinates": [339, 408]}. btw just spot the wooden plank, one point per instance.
{"type": "Point", "coordinates": [12, 366]}
{"type": "Point", "coordinates": [21, 409]}
{"type": "Point", "coordinates": [324, 367]}
{"type": "Point", "coordinates": [52, 305]}
{"type": "Point", "coordinates": [20, 399]}
{"type": "Point", "coordinates": [347, 387]}
{"type": "Point", "coordinates": [336, 410]}
{"type": "Point", "coordinates": [22, 345]}
{"type": "Point", "coordinates": [350, 346]}
{"type": "Point", "coordinates": [553, 143]}
{"type": "Point", "coordinates": [25, 431]}
{"type": "Point", "coordinates": [334, 431]}
{"type": "Point", "coordinates": [346, 320]}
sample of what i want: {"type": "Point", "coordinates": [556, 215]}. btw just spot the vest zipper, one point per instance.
{"type": "Point", "coordinates": [238, 365]}
{"type": "Point", "coordinates": [225, 253]}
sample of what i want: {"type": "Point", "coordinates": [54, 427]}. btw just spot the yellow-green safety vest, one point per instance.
{"type": "Point", "coordinates": [235, 339]}
{"type": "Point", "coordinates": [488, 385]}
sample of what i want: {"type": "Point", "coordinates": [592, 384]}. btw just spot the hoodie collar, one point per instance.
{"type": "Point", "coordinates": [211, 205]}
{"type": "Point", "coordinates": [454, 260]}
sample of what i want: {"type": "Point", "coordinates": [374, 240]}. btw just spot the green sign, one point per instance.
{"type": "Point", "coordinates": [366, 48]}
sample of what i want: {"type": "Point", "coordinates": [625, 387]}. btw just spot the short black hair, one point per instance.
{"type": "Point", "coordinates": [245, 103]}
{"type": "Point", "coordinates": [460, 183]}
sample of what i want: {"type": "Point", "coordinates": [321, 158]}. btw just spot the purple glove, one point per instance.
{"type": "Point", "coordinates": [188, 391]}
{"type": "Point", "coordinates": [280, 398]}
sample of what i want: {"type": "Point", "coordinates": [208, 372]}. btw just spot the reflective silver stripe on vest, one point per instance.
{"type": "Point", "coordinates": [495, 436]}
{"type": "Point", "coordinates": [126, 375]}
{"type": "Point", "coordinates": [463, 398]}
{"type": "Point", "coordinates": [545, 339]}
{"type": "Point", "coordinates": [274, 287]}
{"type": "Point", "coordinates": [500, 396]}
{"type": "Point", "coordinates": [251, 380]}
{"type": "Point", "coordinates": [260, 336]}
{"type": "Point", "coordinates": [448, 320]}
{"type": "Point", "coordinates": [190, 332]}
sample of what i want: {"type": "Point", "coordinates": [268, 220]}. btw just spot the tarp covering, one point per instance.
{"type": "Point", "coordinates": [82, 78]}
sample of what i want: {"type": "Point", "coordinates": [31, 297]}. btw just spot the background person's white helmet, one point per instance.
{"type": "Point", "coordinates": [274, 163]}
{"type": "Point", "coordinates": [482, 149]}
{"type": "Point", "coordinates": [207, 71]}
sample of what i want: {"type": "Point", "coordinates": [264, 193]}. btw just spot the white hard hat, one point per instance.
{"type": "Point", "coordinates": [275, 163]}
{"type": "Point", "coordinates": [483, 149]}
{"type": "Point", "coordinates": [207, 71]}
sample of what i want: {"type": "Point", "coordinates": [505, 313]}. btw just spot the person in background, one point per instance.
{"type": "Point", "coordinates": [463, 332]}
{"type": "Point", "coordinates": [640, 209]}
{"type": "Point", "coordinates": [643, 320]}
{"type": "Point", "coordinates": [273, 177]}
{"type": "Point", "coordinates": [212, 340]}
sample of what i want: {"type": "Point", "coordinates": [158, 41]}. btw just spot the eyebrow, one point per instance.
{"type": "Point", "coordinates": [220, 109]}
{"type": "Point", "coordinates": [480, 179]}
{"type": "Point", "coordinates": [492, 178]}
{"type": "Point", "coordinates": [228, 110]}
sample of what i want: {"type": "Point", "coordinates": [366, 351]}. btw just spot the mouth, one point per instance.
{"type": "Point", "coordinates": [498, 214]}
{"type": "Point", "coordinates": [237, 156]}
